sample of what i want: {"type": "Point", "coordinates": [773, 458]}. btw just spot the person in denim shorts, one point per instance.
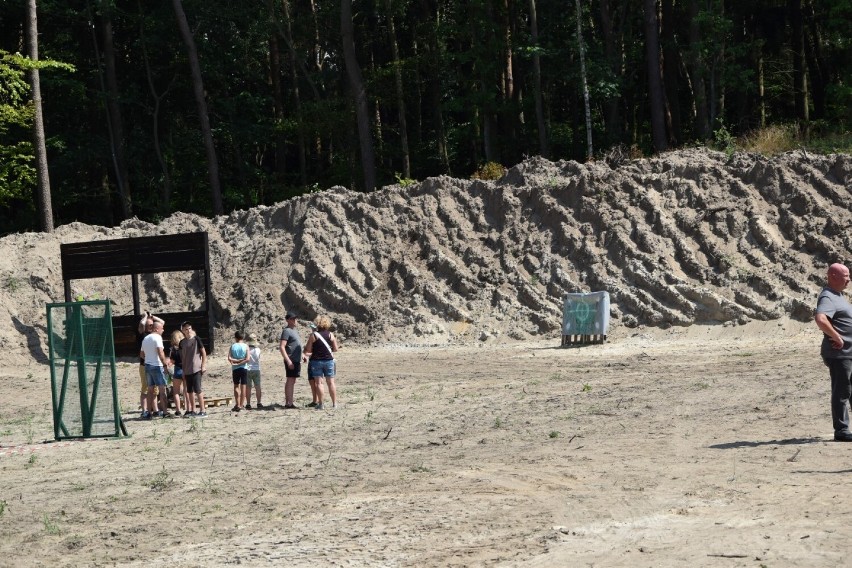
{"type": "Point", "coordinates": [155, 359]}
{"type": "Point", "coordinates": [320, 349]}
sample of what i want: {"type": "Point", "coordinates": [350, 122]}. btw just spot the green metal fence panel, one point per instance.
{"type": "Point", "coordinates": [82, 370]}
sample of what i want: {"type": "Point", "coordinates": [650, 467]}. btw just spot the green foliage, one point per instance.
{"type": "Point", "coordinates": [725, 141]}
{"type": "Point", "coordinates": [404, 182]}
{"type": "Point", "coordinates": [489, 171]}
{"type": "Point", "coordinates": [452, 58]}
{"type": "Point", "coordinates": [17, 174]}
{"type": "Point", "coordinates": [50, 526]}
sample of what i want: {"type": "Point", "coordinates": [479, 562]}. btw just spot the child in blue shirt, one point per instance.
{"type": "Point", "coordinates": [238, 357]}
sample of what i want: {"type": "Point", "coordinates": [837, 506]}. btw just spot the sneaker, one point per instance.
{"type": "Point", "coordinates": [201, 415]}
{"type": "Point", "coordinates": [318, 406]}
{"type": "Point", "coordinates": [259, 406]}
{"type": "Point", "coordinates": [236, 409]}
{"type": "Point", "coordinates": [168, 414]}
{"type": "Point", "coordinates": [143, 414]}
{"type": "Point", "coordinates": [311, 405]}
{"type": "Point", "coordinates": [248, 407]}
{"type": "Point", "coordinates": [288, 406]}
{"type": "Point", "coordinates": [146, 416]}
{"type": "Point", "coordinates": [159, 414]}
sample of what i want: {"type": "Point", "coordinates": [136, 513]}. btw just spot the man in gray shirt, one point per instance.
{"type": "Point", "coordinates": [834, 318]}
{"type": "Point", "coordinates": [291, 350]}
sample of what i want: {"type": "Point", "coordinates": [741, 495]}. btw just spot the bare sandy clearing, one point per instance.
{"type": "Point", "coordinates": [702, 446]}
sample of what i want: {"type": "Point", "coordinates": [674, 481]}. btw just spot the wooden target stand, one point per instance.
{"type": "Point", "coordinates": [183, 252]}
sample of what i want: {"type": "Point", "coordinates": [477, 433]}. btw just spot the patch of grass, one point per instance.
{"type": "Point", "coordinates": [12, 283]}
{"type": "Point", "coordinates": [371, 394]}
{"type": "Point", "coordinates": [702, 386]}
{"type": "Point", "coordinates": [744, 354]}
{"type": "Point", "coordinates": [50, 526]}
{"type": "Point", "coordinates": [553, 434]}
{"type": "Point", "coordinates": [169, 437]}
{"type": "Point", "coordinates": [194, 425]}
{"type": "Point", "coordinates": [210, 486]}
{"type": "Point", "coordinates": [420, 469]}
{"type": "Point", "coordinates": [31, 462]}
{"type": "Point", "coordinates": [2, 507]}
{"type": "Point", "coordinates": [587, 387]}
{"type": "Point", "coordinates": [832, 143]}
{"type": "Point", "coordinates": [498, 423]}
{"type": "Point", "coordinates": [160, 481]}
{"type": "Point", "coordinates": [771, 140]}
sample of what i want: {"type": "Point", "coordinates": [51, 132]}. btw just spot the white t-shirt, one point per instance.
{"type": "Point", "coordinates": [152, 343]}
{"type": "Point", "coordinates": [254, 359]}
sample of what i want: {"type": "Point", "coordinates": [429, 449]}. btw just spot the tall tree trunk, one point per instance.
{"type": "Point", "coordinates": [543, 143]}
{"type": "Point", "coordinates": [400, 98]}
{"type": "Point", "coordinates": [655, 82]}
{"type": "Point", "coordinates": [818, 72]}
{"type": "Point", "coordinates": [297, 98]}
{"type": "Point", "coordinates": [797, 49]}
{"type": "Point", "coordinates": [761, 90]}
{"type": "Point", "coordinates": [166, 193]}
{"type": "Point", "coordinates": [489, 82]}
{"type": "Point", "coordinates": [431, 13]}
{"type": "Point", "coordinates": [277, 92]}
{"type": "Point", "coordinates": [45, 208]}
{"type": "Point", "coordinates": [201, 106]}
{"type": "Point", "coordinates": [115, 120]}
{"type": "Point", "coordinates": [696, 72]}
{"type": "Point", "coordinates": [359, 91]}
{"type": "Point", "coordinates": [590, 151]}
{"type": "Point", "coordinates": [717, 68]}
{"type": "Point", "coordinates": [612, 48]}
{"type": "Point", "coordinates": [671, 71]}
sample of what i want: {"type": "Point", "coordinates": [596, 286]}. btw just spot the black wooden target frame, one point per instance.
{"type": "Point", "coordinates": [133, 256]}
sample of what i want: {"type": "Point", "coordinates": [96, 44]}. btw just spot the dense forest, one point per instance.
{"type": "Point", "coordinates": [149, 107]}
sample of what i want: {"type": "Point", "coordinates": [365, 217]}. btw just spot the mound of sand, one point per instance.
{"type": "Point", "coordinates": [687, 237]}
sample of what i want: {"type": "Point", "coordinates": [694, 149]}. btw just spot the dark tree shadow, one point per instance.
{"type": "Point", "coordinates": [750, 444]}
{"type": "Point", "coordinates": [33, 339]}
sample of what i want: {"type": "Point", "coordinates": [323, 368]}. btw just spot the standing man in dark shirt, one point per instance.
{"type": "Point", "coordinates": [290, 347]}
{"type": "Point", "coordinates": [834, 318]}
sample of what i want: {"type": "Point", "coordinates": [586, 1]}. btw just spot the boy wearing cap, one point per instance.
{"type": "Point", "coordinates": [253, 372]}
{"type": "Point", "coordinates": [291, 350]}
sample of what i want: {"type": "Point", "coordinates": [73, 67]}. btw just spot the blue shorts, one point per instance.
{"type": "Point", "coordinates": [155, 376]}
{"type": "Point", "coordinates": [321, 369]}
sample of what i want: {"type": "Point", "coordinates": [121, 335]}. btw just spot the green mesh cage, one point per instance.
{"type": "Point", "coordinates": [82, 370]}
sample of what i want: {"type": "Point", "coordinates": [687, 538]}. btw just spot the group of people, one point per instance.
{"type": "Point", "coordinates": [188, 359]}
{"type": "Point", "coordinates": [186, 363]}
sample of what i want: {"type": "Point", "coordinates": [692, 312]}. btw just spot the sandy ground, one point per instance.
{"type": "Point", "coordinates": [699, 446]}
